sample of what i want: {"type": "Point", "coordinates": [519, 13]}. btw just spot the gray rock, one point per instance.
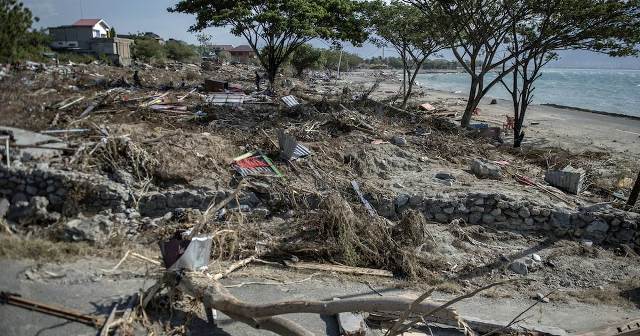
{"type": "Point", "coordinates": [440, 217]}
{"type": "Point", "coordinates": [445, 176]}
{"type": "Point", "coordinates": [4, 207]}
{"type": "Point", "coordinates": [496, 212]}
{"type": "Point", "coordinates": [488, 219]}
{"type": "Point", "coordinates": [95, 229]}
{"type": "Point", "coordinates": [502, 205]}
{"type": "Point", "coordinates": [536, 257]}
{"type": "Point", "coordinates": [476, 209]}
{"type": "Point", "coordinates": [33, 212]}
{"type": "Point", "coordinates": [540, 297]}
{"type": "Point", "coordinates": [519, 267]}
{"type": "Point", "coordinates": [484, 169]}
{"type": "Point", "coordinates": [597, 226]}
{"type": "Point", "coordinates": [529, 221]}
{"type": "Point", "coordinates": [561, 218]}
{"type": "Point", "coordinates": [401, 200]}
{"type": "Point", "coordinates": [524, 213]}
{"type": "Point", "coordinates": [449, 210]}
{"type": "Point", "coordinates": [475, 217]}
{"type": "Point", "coordinates": [398, 140]}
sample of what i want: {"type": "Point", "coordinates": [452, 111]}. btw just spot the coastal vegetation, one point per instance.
{"type": "Point", "coordinates": [275, 29]}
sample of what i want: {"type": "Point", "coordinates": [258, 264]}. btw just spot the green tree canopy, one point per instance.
{"type": "Point", "coordinates": [415, 36]}
{"type": "Point", "coordinates": [15, 21]}
{"type": "Point", "coordinates": [611, 27]}
{"type": "Point", "coordinates": [304, 58]}
{"type": "Point", "coordinates": [276, 28]}
{"type": "Point", "coordinates": [145, 49]}
{"type": "Point", "coordinates": [179, 51]}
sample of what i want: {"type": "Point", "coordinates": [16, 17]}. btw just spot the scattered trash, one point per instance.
{"type": "Point", "coordinates": [180, 253]}
{"type": "Point", "coordinates": [427, 107]}
{"type": "Point", "coordinates": [367, 205]}
{"type": "Point", "coordinates": [255, 164]}
{"type": "Point", "coordinates": [45, 308]}
{"type": "Point", "coordinates": [290, 149]}
{"type": "Point", "coordinates": [215, 85]}
{"type": "Point", "coordinates": [226, 99]}
{"type": "Point", "coordinates": [290, 101]}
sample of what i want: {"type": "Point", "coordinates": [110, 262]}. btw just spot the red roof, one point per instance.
{"type": "Point", "coordinates": [242, 48]}
{"type": "Point", "coordinates": [86, 22]}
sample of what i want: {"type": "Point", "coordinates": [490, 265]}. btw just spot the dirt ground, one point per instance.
{"type": "Point", "coordinates": [350, 140]}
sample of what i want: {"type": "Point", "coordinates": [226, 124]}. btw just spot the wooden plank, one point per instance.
{"type": "Point", "coordinates": [107, 323]}
{"type": "Point", "coordinates": [339, 269]}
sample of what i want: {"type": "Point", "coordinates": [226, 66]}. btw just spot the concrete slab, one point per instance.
{"type": "Point", "coordinates": [29, 138]}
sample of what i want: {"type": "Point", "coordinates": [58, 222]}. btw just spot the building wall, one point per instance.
{"type": "Point", "coordinates": [100, 30]}
{"type": "Point", "coordinates": [65, 37]}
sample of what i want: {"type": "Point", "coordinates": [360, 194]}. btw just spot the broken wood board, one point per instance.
{"type": "Point", "coordinates": [339, 269]}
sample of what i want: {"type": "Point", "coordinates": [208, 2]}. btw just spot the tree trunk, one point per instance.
{"type": "Point", "coordinates": [633, 197]}
{"type": "Point", "coordinates": [264, 315]}
{"type": "Point", "coordinates": [471, 104]}
{"type": "Point", "coordinates": [271, 77]}
{"type": "Point", "coordinates": [412, 81]}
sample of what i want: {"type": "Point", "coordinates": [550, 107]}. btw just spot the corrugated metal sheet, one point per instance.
{"type": "Point", "coordinates": [226, 99]}
{"type": "Point", "coordinates": [290, 149]}
{"type": "Point", "coordinates": [290, 101]}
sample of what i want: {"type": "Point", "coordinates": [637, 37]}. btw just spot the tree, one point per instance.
{"type": "Point", "coordinates": [15, 21]}
{"type": "Point", "coordinates": [633, 197]}
{"type": "Point", "coordinates": [179, 51]}
{"type": "Point", "coordinates": [276, 28]}
{"type": "Point", "coordinates": [112, 33]}
{"type": "Point", "coordinates": [224, 56]}
{"type": "Point", "coordinates": [611, 27]}
{"type": "Point", "coordinates": [479, 29]}
{"type": "Point", "coordinates": [304, 57]}
{"type": "Point", "coordinates": [413, 34]}
{"type": "Point", "coordinates": [146, 49]}
{"type": "Point", "coordinates": [205, 43]}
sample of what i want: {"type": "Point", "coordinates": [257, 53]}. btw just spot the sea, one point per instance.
{"type": "Point", "coordinates": [604, 90]}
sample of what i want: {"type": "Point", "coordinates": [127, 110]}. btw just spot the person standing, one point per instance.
{"type": "Point", "coordinates": [258, 80]}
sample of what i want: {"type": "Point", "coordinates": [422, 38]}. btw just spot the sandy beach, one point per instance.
{"type": "Point", "coordinates": [572, 129]}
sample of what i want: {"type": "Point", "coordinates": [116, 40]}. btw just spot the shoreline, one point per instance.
{"type": "Point", "coordinates": [558, 106]}
{"type": "Point", "coordinates": [580, 109]}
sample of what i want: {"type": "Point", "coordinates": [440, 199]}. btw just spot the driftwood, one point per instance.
{"type": "Point", "coordinates": [265, 316]}
{"type": "Point", "coordinates": [339, 269]}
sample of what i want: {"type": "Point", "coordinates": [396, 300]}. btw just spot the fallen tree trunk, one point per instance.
{"type": "Point", "coordinates": [264, 316]}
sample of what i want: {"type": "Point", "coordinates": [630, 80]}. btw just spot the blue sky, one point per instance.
{"type": "Point", "coordinates": [151, 15]}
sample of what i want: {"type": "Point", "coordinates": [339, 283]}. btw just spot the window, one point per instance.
{"type": "Point", "coordinates": [96, 33]}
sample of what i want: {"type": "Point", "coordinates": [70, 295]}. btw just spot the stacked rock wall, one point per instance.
{"type": "Point", "coordinates": [600, 224]}
{"type": "Point", "coordinates": [67, 192]}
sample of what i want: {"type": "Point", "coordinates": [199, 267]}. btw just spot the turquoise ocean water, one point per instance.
{"type": "Point", "coordinates": [615, 91]}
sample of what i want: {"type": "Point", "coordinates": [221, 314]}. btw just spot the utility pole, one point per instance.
{"type": "Point", "coordinates": [339, 62]}
{"type": "Point", "coordinates": [633, 197]}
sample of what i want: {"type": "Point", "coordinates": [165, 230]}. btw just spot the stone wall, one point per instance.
{"type": "Point", "coordinates": [67, 192]}
{"type": "Point", "coordinates": [600, 224]}
{"type": "Point", "coordinates": [159, 203]}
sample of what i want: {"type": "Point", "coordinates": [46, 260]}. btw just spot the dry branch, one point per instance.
{"type": "Point", "coordinates": [215, 296]}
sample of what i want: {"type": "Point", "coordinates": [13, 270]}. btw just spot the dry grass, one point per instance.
{"type": "Point", "coordinates": [42, 250]}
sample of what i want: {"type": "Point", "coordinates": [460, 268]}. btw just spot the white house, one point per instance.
{"type": "Point", "coordinates": [91, 36]}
